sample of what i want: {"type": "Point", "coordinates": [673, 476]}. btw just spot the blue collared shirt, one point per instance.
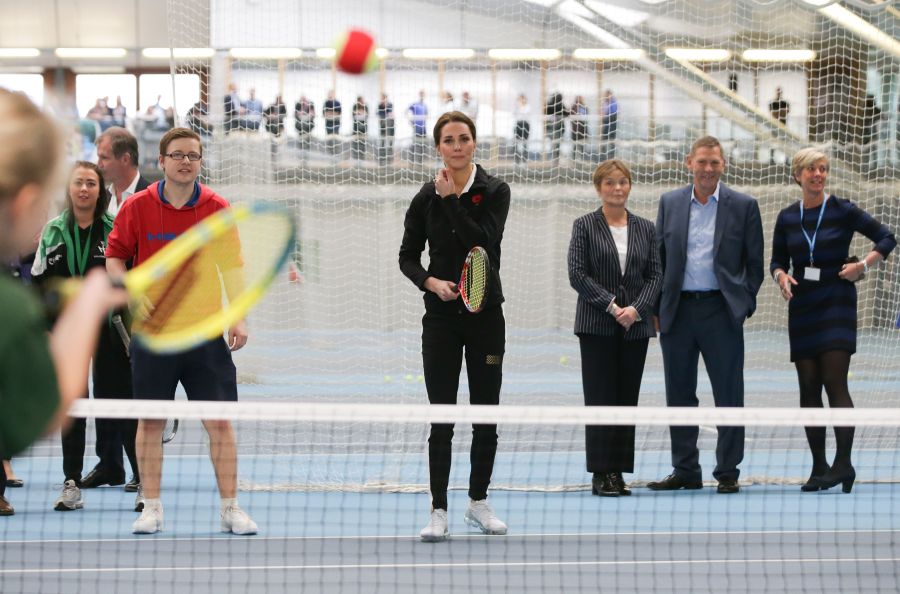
{"type": "Point", "coordinates": [699, 270]}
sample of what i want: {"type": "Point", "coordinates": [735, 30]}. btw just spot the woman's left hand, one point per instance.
{"type": "Point", "coordinates": [626, 316]}
{"type": "Point", "coordinates": [443, 183]}
{"type": "Point", "coordinates": [851, 271]}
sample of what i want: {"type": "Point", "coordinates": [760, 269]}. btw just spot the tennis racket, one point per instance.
{"type": "Point", "coordinates": [170, 431]}
{"type": "Point", "coordinates": [208, 278]}
{"type": "Point", "coordinates": [473, 282]}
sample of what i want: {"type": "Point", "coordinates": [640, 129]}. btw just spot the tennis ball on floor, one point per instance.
{"type": "Point", "coordinates": [355, 52]}
{"type": "Point", "coordinates": [849, 374]}
{"type": "Point", "coordinates": [409, 377]}
{"type": "Point", "coordinates": [420, 378]}
{"type": "Point", "coordinates": [563, 360]}
{"type": "Point", "coordinates": [388, 379]}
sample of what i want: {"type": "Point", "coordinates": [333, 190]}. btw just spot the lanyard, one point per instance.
{"type": "Point", "coordinates": [812, 242]}
{"type": "Point", "coordinates": [81, 258]}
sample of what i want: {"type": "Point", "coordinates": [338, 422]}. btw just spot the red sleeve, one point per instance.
{"type": "Point", "coordinates": [122, 241]}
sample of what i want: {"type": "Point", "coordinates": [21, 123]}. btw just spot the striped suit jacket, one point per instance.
{"type": "Point", "coordinates": [594, 272]}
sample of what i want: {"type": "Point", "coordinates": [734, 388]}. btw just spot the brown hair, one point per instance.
{"type": "Point", "coordinates": [175, 134]}
{"type": "Point", "coordinates": [104, 197]}
{"type": "Point", "coordinates": [452, 116]}
{"type": "Point", "coordinates": [706, 142]}
{"type": "Point", "coordinates": [605, 168]}
{"type": "Point", "coordinates": [121, 141]}
{"type": "Point", "coordinates": [31, 147]}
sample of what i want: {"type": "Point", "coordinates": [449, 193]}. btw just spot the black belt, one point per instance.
{"type": "Point", "coordinates": [700, 294]}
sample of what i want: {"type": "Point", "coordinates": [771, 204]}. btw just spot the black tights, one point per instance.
{"type": "Point", "coordinates": [828, 370]}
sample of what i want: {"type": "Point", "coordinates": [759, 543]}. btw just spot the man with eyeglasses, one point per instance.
{"type": "Point", "coordinates": [146, 223]}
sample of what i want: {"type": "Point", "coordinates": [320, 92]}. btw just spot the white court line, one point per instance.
{"type": "Point", "coordinates": [468, 565]}
{"type": "Point", "coordinates": [539, 535]}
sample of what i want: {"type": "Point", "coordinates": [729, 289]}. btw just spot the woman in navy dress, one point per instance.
{"type": "Point", "coordinates": [810, 264]}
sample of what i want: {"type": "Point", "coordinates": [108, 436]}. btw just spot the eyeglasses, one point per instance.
{"type": "Point", "coordinates": [179, 156]}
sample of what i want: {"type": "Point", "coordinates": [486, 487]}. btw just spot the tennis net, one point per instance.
{"type": "Point", "coordinates": [340, 493]}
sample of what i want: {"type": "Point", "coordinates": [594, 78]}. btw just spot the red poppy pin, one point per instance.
{"type": "Point", "coordinates": [476, 199]}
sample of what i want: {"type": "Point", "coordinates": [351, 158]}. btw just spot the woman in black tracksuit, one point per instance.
{"type": "Point", "coordinates": [461, 208]}
{"type": "Point", "coordinates": [71, 244]}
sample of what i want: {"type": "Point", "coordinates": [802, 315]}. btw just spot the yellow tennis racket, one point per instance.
{"type": "Point", "coordinates": [208, 278]}
{"type": "Point", "coordinates": [473, 281]}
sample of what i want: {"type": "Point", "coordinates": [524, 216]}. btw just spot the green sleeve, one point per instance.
{"type": "Point", "coordinates": [29, 394]}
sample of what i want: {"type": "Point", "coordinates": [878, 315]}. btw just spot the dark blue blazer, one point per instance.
{"type": "Point", "coordinates": [737, 251]}
{"type": "Point", "coordinates": [594, 272]}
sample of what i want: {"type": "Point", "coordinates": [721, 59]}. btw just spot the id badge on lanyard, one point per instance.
{"type": "Point", "coordinates": [811, 272]}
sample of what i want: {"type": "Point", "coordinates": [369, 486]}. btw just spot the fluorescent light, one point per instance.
{"type": "Point", "coordinates": [162, 53]}
{"type": "Point", "coordinates": [524, 54]}
{"type": "Point", "coordinates": [778, 55]}
{"type": "Point", "coordinates": [609, 54]}
{"type": "Point", "coordinates": [438, 53]}
{"type": "Point", "coordinates": [98, 69]}
{"type": "Point", "coordinates": [698, 55]}
{"type": "Point", "coordinates": [546, 3]}
{"type": "Point", "coordinates": [326, 53]}
{"type": "Point", "coordinates": [91, 52]}
{"type": "Point", "coordinates": [382, 52]}
{"type": "Point", "coordinates": [19, 52]}
{"type": "Point", "coordinates": [862, 28]}
{"type": "Point", "coordinates": [266, 53]}
{"type": "Point", "coordinates": [624, 17]}
{"type": "Point", "coordinates": [818, 2]}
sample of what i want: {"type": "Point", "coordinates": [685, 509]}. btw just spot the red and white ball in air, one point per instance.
{"type": "Point", "coordinates": [355, 52]}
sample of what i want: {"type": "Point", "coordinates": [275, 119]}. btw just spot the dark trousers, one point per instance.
{"type": "Point", "coordinates": [2, 481]}
{"type": "Point", "coordinates": [705, 327]}
{"type": "Point", "coordinates": [112, 379]}
{"type": "Point", "coordinates": [73, 449]}
{"type": "Point", "coordinates": [445, 338]}
{"type": "Point", "coordinates": [611, 371]}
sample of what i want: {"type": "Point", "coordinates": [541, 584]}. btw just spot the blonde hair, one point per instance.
{"type": "Point", "coordinates": [607, 167]}
{"type": "Point", "coordinates": [31, 147]}
{"type": "Point", "coordinates": [805, 158]}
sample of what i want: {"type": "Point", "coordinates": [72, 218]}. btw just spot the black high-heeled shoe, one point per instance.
{"type": "Point", "coordinates": [812, 484]}
{"type": "Point", "coordinates": [846, 477]}
{"type": "Point", "coordinates": [602, 484]}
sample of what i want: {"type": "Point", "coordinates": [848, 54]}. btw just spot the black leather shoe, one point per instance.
{"type": "Point", "coordinates": [602, 484]}
{"type": "Point", "coordinates": [728, 486]}
{"type": "Point", "coordinates": [5, 508]}
{"type": "Point", "coordinates": [99, 477]}
{"type": "Point", "coordinates": [673, 482]}
{"type": "Point", "coordinates": [812, 483]}
{"type": "Point", "coordinates": [133, 483]}
{"type": "Point", "coordinates": [619, 482]}
{"type": "Point", "coordinates": [15, 483]}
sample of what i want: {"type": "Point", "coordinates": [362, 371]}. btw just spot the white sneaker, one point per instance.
{"type": "Point", "coordinates": [151, 520]}
{"type": "Point", "coordinates": [70, 497]}
{"type": "Point", "coordinates": [139, 500]}
{"type": "Point", "coordinates": [236, 521]}
{"type": "Point", "coordinates": [481, 516]}
{"type": "Point", "coordinates": [436, 530]}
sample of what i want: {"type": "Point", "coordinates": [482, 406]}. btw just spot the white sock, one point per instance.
{"type": "Point", "coordinates": [152, 503]}
{"type": "Point", "coordinates": [226, 503]}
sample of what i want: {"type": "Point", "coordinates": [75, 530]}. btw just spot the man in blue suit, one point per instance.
{"type": "Point", "coordinates": [711, 248]}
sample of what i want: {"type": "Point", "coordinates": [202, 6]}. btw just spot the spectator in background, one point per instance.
{"type": "Point", "coordinates": [331, 112]}
{"type": "Point", "coordinates": [469, 106]}
{"type": "Point", "coordinates": [253, 112]}
{"type": "Point", "coordinates": [779, 108]}
{"type": "Point", "coordinates": [274, 116]}
{"type": "Point", "coordinates": [522, 113]}
{"type": "Point", "coordinates": [198, 119]}
{"type": "Point", "coordinates": [232, 108]}
{"type": "Point", "coordinates": [417, 113]}
{"type": "Point", "coordinates": [360, 128]}
{"type": "Point", "coordinates": [305, 120]}
{"type": "Point", "coordinates": [609, 124]}
{"type": "Point", "coordinates": [99, 111]}
{"type": "Point", "coordinates": [448, 103]}
{"type": "Point", "coordinates": [579, 127]}
{"type": "Point", "coordinates": [386, 129]}
{"type": "Point", "coordinates": [554, 124]}
{"type": "Point", "coordinates": [119, 113]}
{"type": "Point", "coordinates": [159, 115]}
{"type": "Point", "coordinates": [870, 118]}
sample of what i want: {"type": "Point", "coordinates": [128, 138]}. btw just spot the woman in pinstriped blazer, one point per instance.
{"type": "Point", "coordinates": [615, 268]}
